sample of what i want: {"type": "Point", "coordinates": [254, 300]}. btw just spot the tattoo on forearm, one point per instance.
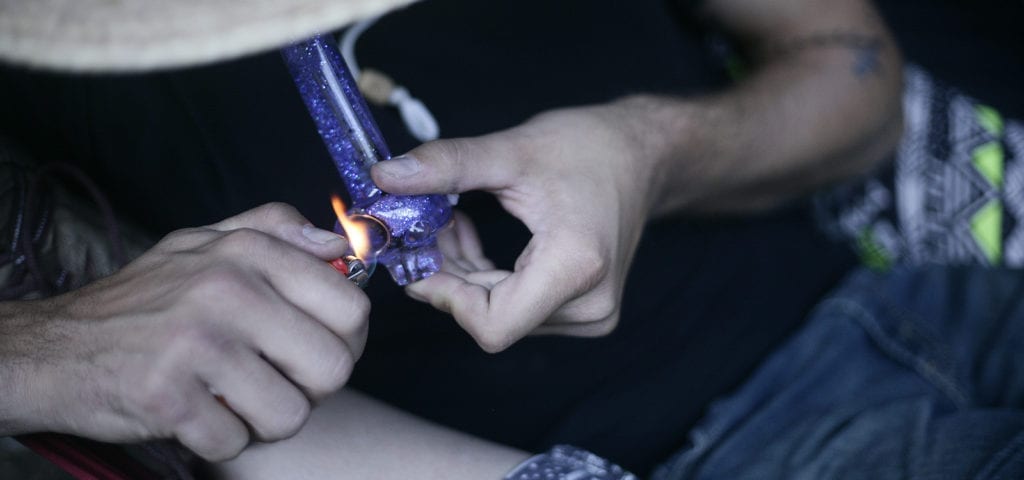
{"type": "Point", "coordinates": [866, 48]}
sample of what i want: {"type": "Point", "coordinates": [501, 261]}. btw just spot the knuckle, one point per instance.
{"type": "Point", "coordinates": [595, 315]}
{"type": "Point", "coordinates": [593, 265]}
{"type": "Point", "coordinates": [587, 261]}
{"type": "Point", "coordinates": [335, 369]}
{"type": "Point", "coordinates": [467, 301]}
{"type": "Point", "coordinates": [158, 400]}
{"type": "Point", "coordinates": [216, 446]}
{"type": "Point", "coordinates": [193, 342]}
{"type": "Point", "coordinates": [601, 308]}
{"type": "Point", "coordinates": [190, 337]}
{"type": "Point", "coordinates": [360, 308]}
{"type": "Point", "coordinates": [177, 239]}
{"type": "Point", "coordinates": [600, 328]}
{"type": "Point", "coordinates": [277, 212]}
{"type": "Point", "coordinates": [356, 337]}
{"type": "Point", "coordinates": [288, 420]}
{"type": "Point", "coordinates": [232, 448]}
{"type": "Point", "coordinates": [493, 341]}
{"type": "Point", "coordinates": [605, 327]}
{"type": "Point", "coordinates": [242, 240]}
{"type": "Point", "coordinates": [454, 152]}
{"type": "Point", "coordinates": [222, 282]}
{"type": "Point", "coordinates": [353, 325]}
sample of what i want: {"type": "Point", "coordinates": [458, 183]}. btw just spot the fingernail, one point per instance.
{"type": "Point", "coordinates": [401, 166]}
{"type": "Point", "coordinates": [320, 236]}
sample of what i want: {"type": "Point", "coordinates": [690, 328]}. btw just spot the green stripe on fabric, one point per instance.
{"type": "Point", "coordinates": [989, 160]}
{"type": "Point", "coordinates": [987, 230]}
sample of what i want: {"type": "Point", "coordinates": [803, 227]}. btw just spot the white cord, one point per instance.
{"type": "Point", "coordinates": [417, 118]}
{"type": "Point", "coordinates": [347, 45]}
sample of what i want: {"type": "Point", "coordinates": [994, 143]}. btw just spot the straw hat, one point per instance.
{"type": "Point", "coordinates": [134, 35]}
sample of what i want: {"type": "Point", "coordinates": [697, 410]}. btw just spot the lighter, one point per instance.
{"type": "Point", "coordinates": [353, 268]}
{"type": "Point", "coordinates": [406, 243]}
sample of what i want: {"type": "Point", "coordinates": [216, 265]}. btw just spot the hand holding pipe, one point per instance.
{"type": "Point", "coordinates": [408, 247]}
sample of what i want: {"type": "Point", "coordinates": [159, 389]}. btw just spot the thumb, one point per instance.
{"type": "Point", "coordinates": [450, 166]}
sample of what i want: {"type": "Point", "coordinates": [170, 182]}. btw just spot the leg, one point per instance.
{"type": "Point", "coordinates": [353, 436]}
{"type": "Point", "coordinates": [915, 374]}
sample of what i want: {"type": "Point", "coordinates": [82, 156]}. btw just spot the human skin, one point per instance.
{"type": "Point", "coordinates": [354, 436]}
{"type": "Point", "coordinates": [246, 308]}
{"type": "Point", "coordinates": [814, 110]}
{"type": "Point", "coordinates": [822, 104]}
{"type": "Point", "coordinates": [808, 115]}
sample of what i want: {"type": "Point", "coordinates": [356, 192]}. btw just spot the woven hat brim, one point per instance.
{"type": "Point", "coordinates": [139, 35]}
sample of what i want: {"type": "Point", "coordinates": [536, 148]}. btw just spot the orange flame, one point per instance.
{"type": "Point", "coordinates": [358, 235]}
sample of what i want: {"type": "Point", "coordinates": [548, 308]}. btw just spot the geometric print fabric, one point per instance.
{"type": "Point", "coordinates": [953, 194]}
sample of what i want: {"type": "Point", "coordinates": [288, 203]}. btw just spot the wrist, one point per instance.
{"type": "Point", "coordinates": [22, 345]}
{"type": "Point", "coordinates": [666, 134]}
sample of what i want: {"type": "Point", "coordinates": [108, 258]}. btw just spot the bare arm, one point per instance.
{"type": "Point", "coordinates": [823, 103]}
{"type": "Point", "coordinates": [353, 436]}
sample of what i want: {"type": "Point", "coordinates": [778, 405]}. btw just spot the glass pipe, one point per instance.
{"type": "Point", "coordinates": [405, 241]}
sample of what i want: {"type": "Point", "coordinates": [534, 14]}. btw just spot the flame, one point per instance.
{"type": "Point", "coordinates": [358, 235]}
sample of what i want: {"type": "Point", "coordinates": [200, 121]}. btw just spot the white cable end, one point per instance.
{"type": "Point", "coordinates": [417, 118]}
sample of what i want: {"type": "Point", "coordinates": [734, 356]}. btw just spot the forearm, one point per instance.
{"type": "Point", "coordinates": [823, 105]}
{"type": "Point", "coordinates": [353, 436]}
{"type": "Point", "coordinates": [18, 412]}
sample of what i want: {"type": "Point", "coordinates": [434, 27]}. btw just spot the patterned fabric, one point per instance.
{"type": "Point", "coordinates": [953, 195]}
{"type": "Point", "coordinates": [568, 462]}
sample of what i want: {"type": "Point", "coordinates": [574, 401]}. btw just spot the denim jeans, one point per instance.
{"type": "Point", "coordinates": [911, 374]}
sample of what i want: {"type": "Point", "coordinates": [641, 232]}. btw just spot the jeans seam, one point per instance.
{"type": "Point", "coordinates": [895, 350]}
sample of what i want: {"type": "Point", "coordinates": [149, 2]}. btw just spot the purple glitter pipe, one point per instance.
{"type": "Point", "coordinates": [410, 250]}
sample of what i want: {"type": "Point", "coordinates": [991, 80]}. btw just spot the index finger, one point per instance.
{"type": "Point", "coordinates": [315, 288]}
{"type": "Point", "coordinates": [284, 222]}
